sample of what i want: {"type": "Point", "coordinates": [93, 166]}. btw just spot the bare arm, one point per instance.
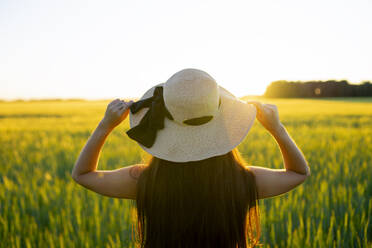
{"type": "Point", "coordinates": [115, 183]}
{"type": "Point", "coordinates": [273, 182]}
{"type": "Point", "coordinates": [293, 158]}
{"type": "Point", "coordinates": [88, 158]}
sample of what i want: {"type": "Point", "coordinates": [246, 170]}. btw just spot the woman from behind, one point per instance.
{"type": "Point", "coordinates": [196, 190]}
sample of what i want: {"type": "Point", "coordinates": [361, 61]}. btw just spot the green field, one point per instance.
{"type": "Point", "coordinates": [41, 206]}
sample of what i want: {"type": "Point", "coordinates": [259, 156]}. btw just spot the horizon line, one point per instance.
{"type": "Point", "coordinates": [80, 99]}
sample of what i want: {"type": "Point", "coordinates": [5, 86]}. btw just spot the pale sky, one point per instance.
{"type": "Point", "coordinates": [118, 49]}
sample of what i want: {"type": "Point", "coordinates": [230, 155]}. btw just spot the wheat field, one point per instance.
{"type": "Point", "coordinates": [41, 206]}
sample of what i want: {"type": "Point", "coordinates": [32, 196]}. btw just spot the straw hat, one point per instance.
{"type": "Point", "coordinates": [189, 118]}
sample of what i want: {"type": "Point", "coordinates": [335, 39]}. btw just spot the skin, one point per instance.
{"type": "Point", "coordinates": [121, 183]}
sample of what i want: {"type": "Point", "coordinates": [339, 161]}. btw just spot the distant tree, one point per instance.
{"type": "Point", "coordinates": [329, 88]}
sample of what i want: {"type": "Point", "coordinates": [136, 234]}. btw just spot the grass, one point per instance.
{"type": "Point", "coordinates": [41, 206]}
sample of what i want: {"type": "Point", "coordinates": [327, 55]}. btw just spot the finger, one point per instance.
{"type": "Point", "coordinates": [267, 108]}
{"type": "Point", "coordinates": [118, 103]}
{"type": "Point", "coordinates": [257, 104]}
{"type": "Point", "coordinates": [122, 106]}
{"type": "Point", "coordinates": [122, 109]}
{"type": "Point", "coordinates": [124, 101]}
{"type": "Point", "coordinates": [128, 103]}
{"type": "Point", "coordinates": [119, 107]}
{"type": "Point", "coordinates": [114, 101]}
{"type": "Point", "coordinates": [273, 106]}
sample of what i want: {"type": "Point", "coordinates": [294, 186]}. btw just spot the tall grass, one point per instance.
{"type": "Point", "coordinates": [41, 206]}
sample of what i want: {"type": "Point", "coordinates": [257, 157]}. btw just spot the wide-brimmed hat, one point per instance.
{"type": "Point", "coordinates": [189, 118]}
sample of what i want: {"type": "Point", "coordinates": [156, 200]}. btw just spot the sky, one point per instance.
{"type": "Point", "coordinates": [119, 49]}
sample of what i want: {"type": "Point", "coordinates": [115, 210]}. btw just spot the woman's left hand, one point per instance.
{"type": "Point", "coordinates": [116, 112]}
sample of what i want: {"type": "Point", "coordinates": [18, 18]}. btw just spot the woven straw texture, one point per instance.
{"type": "Point", "coordinates": [179, 142]}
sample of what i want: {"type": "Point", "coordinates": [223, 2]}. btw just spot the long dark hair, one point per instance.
{"type": "Point", "coordinates": [207, 203]}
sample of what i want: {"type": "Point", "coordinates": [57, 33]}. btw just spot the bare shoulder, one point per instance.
{"type": "Point", "coordinates": [274, 182]}
{"type": "Point", "coordinates": [119, 183]}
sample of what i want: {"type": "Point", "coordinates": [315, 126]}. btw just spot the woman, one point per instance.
{"type": "Point", "coordinates": [196, 190]}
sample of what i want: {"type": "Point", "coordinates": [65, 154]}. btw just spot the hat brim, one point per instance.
{"type": "Point", "coordinates": [183, 143]}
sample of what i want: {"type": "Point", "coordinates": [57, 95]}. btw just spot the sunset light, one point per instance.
{"type": "Point", "coordinates": [95, 49]}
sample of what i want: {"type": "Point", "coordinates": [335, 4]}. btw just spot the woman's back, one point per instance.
{"type": "Point", "coordinates": [197, 204]}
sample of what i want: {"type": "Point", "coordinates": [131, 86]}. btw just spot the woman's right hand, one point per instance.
{"type": "Point", "coordinates": [268, 116]}
{"type": "Point", "coordinates": [116, 112]}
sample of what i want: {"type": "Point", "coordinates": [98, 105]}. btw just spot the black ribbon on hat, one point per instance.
{"type": "Point", "coordinates": [152, 121]}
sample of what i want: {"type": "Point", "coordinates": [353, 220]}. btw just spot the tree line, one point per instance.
{"type": "Point", "coordinates": [330, 88]}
